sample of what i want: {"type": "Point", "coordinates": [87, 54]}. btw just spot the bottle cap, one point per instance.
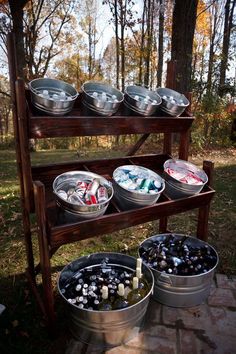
{"type": "Point", "coordinates": [121, 289]}
{"type": "Point", "coordinates": [135, 283]}
{"type": "Point", "coordinates": [104, 292]}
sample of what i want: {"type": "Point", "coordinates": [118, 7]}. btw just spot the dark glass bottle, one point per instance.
{"type": "Point", "coordinates": [105, 304]}
{"type": "Point", "coordinates": [120, 301]}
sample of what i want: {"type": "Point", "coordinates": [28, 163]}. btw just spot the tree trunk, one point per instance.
{"type": "Point", "coordinates": [117, 47]}
{"type": "Point", "coordinates": [211, 55]}
{"type": "Point", "coordinates": [228, 24]}
{"type": "Point", "coordinates": [142, 46]}
{"type": "Point", "coordinates": [183, 27]}
{"type": "Point", "coordinates": [160, 44]}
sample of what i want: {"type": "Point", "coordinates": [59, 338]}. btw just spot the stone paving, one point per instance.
{"type": "Point", "coordinates": [205, 329]}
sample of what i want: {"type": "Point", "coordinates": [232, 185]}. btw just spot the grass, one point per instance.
{"type": "Point", "coordinates": [21, 325]}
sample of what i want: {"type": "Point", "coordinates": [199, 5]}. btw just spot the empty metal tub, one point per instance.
{"type": "Point", "coordinates": [67, 181]}
{"type": "Point", "coordinates": [177, 185]}
{"type": "Point", "coordinates": [141, 100]}
{"type": "Point", "coordinates": [105, 328]}
{"type": "Point", "coordinates": [54, 97]}
{"type": "Point", "coordinates": [101, 98]}
{"type": "Point", "coordinates": [173, 103]}
{"type": "Point", "coordinates": [180, 290]}
{"type": "Point", "coordinates": [131, 199]}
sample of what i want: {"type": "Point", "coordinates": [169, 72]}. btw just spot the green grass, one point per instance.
{"type": "Point", "coordinates": [21, 326]}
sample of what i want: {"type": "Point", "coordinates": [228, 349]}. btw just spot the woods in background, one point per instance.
{"type": "Point", "coordinates": [128, 42]}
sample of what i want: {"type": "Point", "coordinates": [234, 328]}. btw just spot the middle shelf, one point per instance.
{"type": "Point", "coordinates": [61, 231]}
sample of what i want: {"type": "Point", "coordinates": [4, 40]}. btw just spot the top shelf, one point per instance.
{"type": "Point", "coordinates": [80, 122]}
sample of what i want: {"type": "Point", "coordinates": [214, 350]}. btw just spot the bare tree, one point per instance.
{"type": "Point", "coordinates": [228, 26]}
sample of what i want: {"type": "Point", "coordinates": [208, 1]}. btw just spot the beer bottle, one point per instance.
{"type": "Point", "coordinates": [136, 294]}
{"type": "Point", "coordinates": [120, 301]}
{"type": "Point", "coordinates": [105, 304]}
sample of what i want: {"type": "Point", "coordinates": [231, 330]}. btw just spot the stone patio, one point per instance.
{"type": "Point", "coordinates": [205, 329]}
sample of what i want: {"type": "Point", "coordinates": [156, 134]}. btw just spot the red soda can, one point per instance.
{"type": "Point", "coordinates": [93, 187]}
{"type": "Point", "coordinates": [102, 194]}
{"type": "Point", "coordinates": [93, 199]}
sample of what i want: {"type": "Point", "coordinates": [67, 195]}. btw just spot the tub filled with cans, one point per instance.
{"type": "Point", "coordinates": [82, 194]}
{"type": "Point", "coordinates": [136, 186]}
{"type": "Point", "coordinates": [107, 295]}
{"type": "Point", "coordinates": [183, 268]}
{"type": "Point", "coordinates": [183, 178]}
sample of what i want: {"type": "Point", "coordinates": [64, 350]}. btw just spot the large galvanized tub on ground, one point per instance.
{"type": "Point", "coordinates": [106, 328]}
{"type": "Point", "coordinates": [180, 290]}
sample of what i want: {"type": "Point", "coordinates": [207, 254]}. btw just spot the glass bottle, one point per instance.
{"type": "Point", "coordinates": [120, 301]}
{"type": "Point", "coordinates": [105, 304]}
{"type": "Point", "coordinates": [136, 294]}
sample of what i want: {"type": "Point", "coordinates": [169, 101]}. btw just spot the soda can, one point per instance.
{"type": "Point", "coordinates": [91, 199]}
{"type": "Point", "coordinates": [75, 199]}
{"type": "Point", "coordinates": [102, 194]}
{"type": "Point", "coordinates": [93, 187]}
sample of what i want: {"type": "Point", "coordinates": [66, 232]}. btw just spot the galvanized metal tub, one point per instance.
{"type": "Point", "coordinates": [141, 100]}
{"type": "Point", "coordinates": [177, 189]}
{"type": "Point", "coordinates": [48, 104]}
{"type": "Point", "coordinates": [81, 212]}
{"type": "Point", "coordinates": [181, 291]}
{"type": "Point", "coordinates": [104, 107]}
{"type": "Point", "coordinates": [173, 108]}
{"type": "Point", "coordinates": [133, 199]}
{"type": "Point", "coordinates": [104, 329]}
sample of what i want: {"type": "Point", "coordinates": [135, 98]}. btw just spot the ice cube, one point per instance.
{"type": "Point", "coordinates": [95, 94]}
{"type": "Point", "coordinates": [136, 97]}
{"type": "Point", "coordinates": [164, 97]}
{"type": "Point", "coordinates": [114, 98]}
{"type": "Point", "coordinates": [145, 100]}
{"type": "Point", "coordinates": [45, 92]}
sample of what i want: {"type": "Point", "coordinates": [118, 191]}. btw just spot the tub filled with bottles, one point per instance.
{"type": "Point", "coordinates": [82, 194]}
{"type": "Point", "coordinates": [51, 96]}
{"type": "Point", "coordinates": [101, 98]}
{"type": "Point", "coordinates": [173, 102]}
{"type": "Point", "coordinates": [107, 295]}
{"type": "Point", "coordinates": [141, 100]}
{"type": "Point", "coordinates": [136, 186]}
{"type": "Point", "coordinates": [183, 268]}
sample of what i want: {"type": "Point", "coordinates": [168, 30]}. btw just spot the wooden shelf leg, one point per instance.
{"type": "Point", "coordinates": [203, 214]}
{"type": "Point", "coordinates": [44, 251]}
{"type": "Point", "coordinates": [163, 225]}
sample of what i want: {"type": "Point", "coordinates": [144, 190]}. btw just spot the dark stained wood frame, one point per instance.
{"type": "Point", "coordinates": [36, 181]}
